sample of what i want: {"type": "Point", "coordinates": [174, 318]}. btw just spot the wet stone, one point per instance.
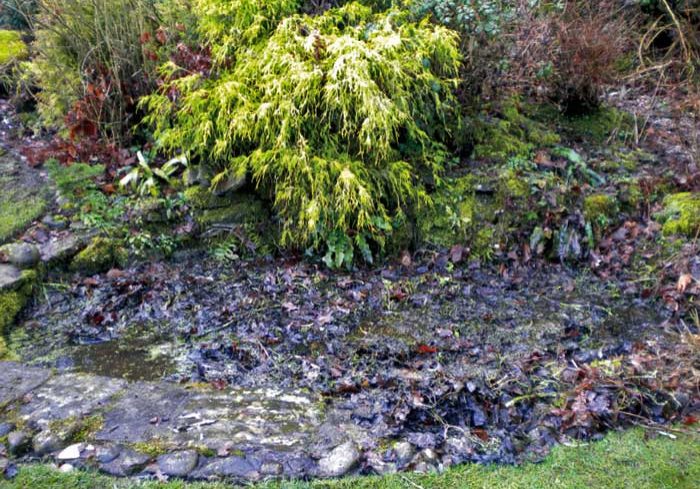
{"type": "Point", "coordinates": [21, 255]}
{"type": "Point", "coordinates": [404, 452]}
{"type": "Point", "coordinates": [18, 380]}
{"type": "Point", "coordinates": [107, 453]}
{"type": "Point", "coordinates": [178, 464]}
{"type": "Point", "coordinates": [128, 463]}
{"type": "Point", "coordinates": [10, 277]}
{"type": "Point", "coordinates": [48, 442]}
{"type": "Point", "coordinates": [63, 248]}
{"type": "Point", "coordinates": [260, 418]}
{"type": "Point", "coordinates": [341, 460]}
{"type": "Point", "coordinates": [145, 411]}
{"type": "Point", "coordinates": [236, 467]}
{"type": "Point", "coordinates": [69, 396]}
{"type": "Point", "coordinates": [18, 443]}
{"type": "Point", "coordinates": [6, 428]}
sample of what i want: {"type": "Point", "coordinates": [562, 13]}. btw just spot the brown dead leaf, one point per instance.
{"type": "Point", "coordinates": [683, 282]}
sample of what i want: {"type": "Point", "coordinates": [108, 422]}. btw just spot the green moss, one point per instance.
{"type": "Point", "coordinates": [513, 186]}
{"type": "Point", "coordinates": [630, 195]}
{"type": "Point", "coordinates": [200, 198]}
{"type": "Point", "coordinates": [74, 179]}
{"type": "Point", "coordinates": [17, 212]}
{"type": "Point", "coordinates": [600, 125]}
{"type": "Point", "coordinates": [152, 448]}
{"type": "Point", "coordinates": [12, 47]}
{"type": "Point", "coordinates": [13, 301]}
{"type": "Point", "coordinates": [86, 428]}
{"type": "Point", "coordinates": [599, 209]}
{"type": "Point", "coordinates": [100, 255]}
{"type": "Point", "coordinates": [511, 133]}
{"type": "Point", "coordinates": [76, 429]}
{"type": "Point", "coordinates": [681, 214]}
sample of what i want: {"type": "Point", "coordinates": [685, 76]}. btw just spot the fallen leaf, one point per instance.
{"type": "Point", "coordinates": [683, 282]}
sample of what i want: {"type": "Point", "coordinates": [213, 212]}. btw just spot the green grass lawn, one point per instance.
{"type": "Point", "coordinates": [627, 460]}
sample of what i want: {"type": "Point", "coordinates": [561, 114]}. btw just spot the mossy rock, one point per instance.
{"type": "Point", "coordinates": [100, 255]}
{"type": "Point", "coordinates": [600, 125]}
{"type": "Point", "coordinates": [511, 134]}
{"type": "Point", "coordinates": [600, 209]}
{"type": "Point", "coordinates": [681, 214]}
{"type": "Point", "coordinates": [200, 198]}
{"type": "Point", "coordinates": [12, 302]}
{"type": "Point", "coordinates": [12, 48]}
{"type": "Point", "coordinates": [239, 209]}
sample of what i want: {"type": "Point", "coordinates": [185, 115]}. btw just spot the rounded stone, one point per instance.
{"type": "Point", "coordinates": [18, 443]}
{"type": "Point", "coordinates": [178, 464]}
{"type": "Point", "coordinates": [339, 461]}
{"type": "Point", "coordinates": [57, 222]}
{"type": "Point", "coordinates": [6, 428]}
{"type": "Point", "coordinates": [47, 442]}
{"type": "Point", "coordinates": [404, 452]}
{"type": "Point", "coordinates": [22, 255]}
{"type": "Point", "coordinates": [70, 453]}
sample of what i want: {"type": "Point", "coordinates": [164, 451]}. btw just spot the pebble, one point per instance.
{"type": "Point", "coordinates": [70, 453]}
{"type": "Point", "coordinates": [340, 460]}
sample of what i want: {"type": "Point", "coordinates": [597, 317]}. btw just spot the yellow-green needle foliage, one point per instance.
{"type": "Point", "coordinates": [339, 118]}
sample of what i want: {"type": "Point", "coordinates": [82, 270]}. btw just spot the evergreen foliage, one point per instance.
{"type": "Point", "coordinates": [339, 118]}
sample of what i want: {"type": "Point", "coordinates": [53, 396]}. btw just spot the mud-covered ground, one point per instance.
{"type": "Point", "coordinates": [466, 360]}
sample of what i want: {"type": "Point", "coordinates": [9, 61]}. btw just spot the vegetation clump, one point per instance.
{"type": "Point", "coordinates": [11, 304]}
{"type": "Point", "coordinates": [101, 254]}
{"type": "Point", "coordinates": [11, 47]}
{"type": "Point", "coordinates": [681, 214]}
{"type": "Point", "coordinates": [339, 118]}
{"type": "Point", "coordinates": [599, 208]}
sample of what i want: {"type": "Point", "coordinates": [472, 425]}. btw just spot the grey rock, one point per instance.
{"type": "Point", "coordinates": [404, 452]}
{"type": "Point", "coordinates": [10, 277]}
{"type": "Point", "coordinates": [48, 442]}
{"type": "Point", "coordinates": [237, 467]}
{"type": "Point", "coordinates": [62, 249]}
{"type": "Point", "coordinates": [381, 467]}
{"type": "Point", "coordinates": [18, 380]}
{"type": "Point", "coordinates": [107, 453]}
{"type": "Point", "coordinates": [230, 184]}
{"type": "Point", "coordinates": [66, 468]}
{"type": "Point", "coordinates": [178, 464]}
{"type": "Point", "coordinates": [22, 255]}
{"type": "Point", "coordinates": [6, 428]}
{"type": "Point", "coordinates": [340, 460]}
{"type": "Point", "coordinates": [129, 419]}
{"type": "Point", "coordinates": [18, 443]}
{"type": "Point", "coordinates": [128, 463]}
{"type": "Point", "coordinates": [57, 222]}
{"type": "Point", "coordinates": [271, 468]}
{"type": "Point", "coordinates": [69, 396]}
{"type": "Point", "coordinates": [4, 464]}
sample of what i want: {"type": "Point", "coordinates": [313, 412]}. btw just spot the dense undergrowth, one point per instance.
{"type": "Point", "coordinates": [354, 124]}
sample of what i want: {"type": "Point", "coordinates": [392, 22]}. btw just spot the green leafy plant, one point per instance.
{"type": "Point", "coordinates": [146, 178]}
{"type": "Point", "coordinates": [338, 118]}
